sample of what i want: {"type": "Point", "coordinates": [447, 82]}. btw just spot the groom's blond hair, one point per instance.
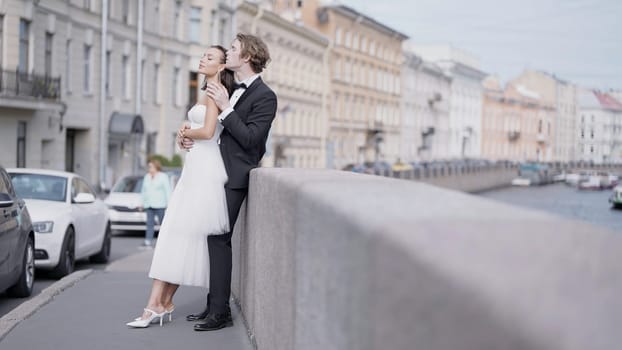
{"type": "Point", "coordinates": [255, 49]}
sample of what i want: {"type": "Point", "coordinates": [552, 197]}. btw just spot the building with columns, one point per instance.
{"type": "Point", "coordinates": [365, 61]}
{"type": "Point", "coordinates": [298, 74]}
{"type": "Point", "coordinates": [74, 99]}
{"type": "Point", "coordinates": [465, 102]}
{"type": "Point", "coordinates": [562, 96]}
{"type": "Point", "coordinates": [425, 101]}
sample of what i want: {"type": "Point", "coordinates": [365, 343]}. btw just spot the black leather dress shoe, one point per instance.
{"type": "Point", "coordinates": [215, 321]}
{"type": "Point", "coordinates": [198, 317]}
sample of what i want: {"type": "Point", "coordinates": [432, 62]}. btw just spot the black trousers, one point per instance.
{"type": "Point", "coordinates": [220, 255]}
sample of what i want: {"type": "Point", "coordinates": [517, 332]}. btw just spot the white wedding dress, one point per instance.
{"type": "Point", "coordinates": [197, 208]}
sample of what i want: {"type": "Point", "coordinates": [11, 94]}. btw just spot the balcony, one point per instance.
{"type": "Point", "coordinates": [513, 135]}
{"type": "Point", "coordinates": [28, 91]}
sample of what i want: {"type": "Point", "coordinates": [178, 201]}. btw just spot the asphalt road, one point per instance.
{"type": "Point", "coordinates": [123, 244]}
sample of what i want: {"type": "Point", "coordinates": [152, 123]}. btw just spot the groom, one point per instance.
{"type": "Point", "coordinates": [246, 118]}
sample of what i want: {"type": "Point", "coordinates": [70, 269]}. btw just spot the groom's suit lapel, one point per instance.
{"type": "Point", "coordinates": [248, 91]}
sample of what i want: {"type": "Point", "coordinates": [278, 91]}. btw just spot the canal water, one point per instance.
{"type": "Point", "coordinates": [589, 206]}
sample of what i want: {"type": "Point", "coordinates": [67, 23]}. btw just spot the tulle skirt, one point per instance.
{"type": "Point", "coordinates": [197, 208]}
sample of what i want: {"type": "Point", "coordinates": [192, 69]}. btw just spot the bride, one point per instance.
{"type": "Point", "coordinates": [197, 207]}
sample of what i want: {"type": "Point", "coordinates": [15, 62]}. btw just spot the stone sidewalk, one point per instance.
{"type": "Point", "coordinates": [91, 312]}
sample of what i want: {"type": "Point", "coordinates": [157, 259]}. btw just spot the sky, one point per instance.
{"type": "Point", "coordinates": [577, 40]}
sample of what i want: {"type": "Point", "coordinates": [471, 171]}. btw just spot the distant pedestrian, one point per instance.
{"type": "Point", "coordinates": [155, 193]}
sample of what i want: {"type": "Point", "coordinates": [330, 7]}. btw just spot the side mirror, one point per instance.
{"type": "Point", "coordinates": [82, 198]}
{"type": "Point", "coordinates": [5, 200]}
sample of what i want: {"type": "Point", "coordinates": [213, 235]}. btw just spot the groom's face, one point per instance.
{"type": "Point", "coordinates": [233, 56]}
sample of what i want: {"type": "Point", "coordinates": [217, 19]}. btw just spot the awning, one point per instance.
{"type": "Point", "coordinates": [125, 124]}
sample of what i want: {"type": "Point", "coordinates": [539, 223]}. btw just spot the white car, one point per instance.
{"type": "Point", "coordinates": [125, 202]}
{"type": "Point", "coordinates": [70, 222]}
{"type": "Point", "coordinates": [124, 205]}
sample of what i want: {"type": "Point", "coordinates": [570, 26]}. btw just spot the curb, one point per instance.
{"type": "Point", "coordinates": [26, 309]}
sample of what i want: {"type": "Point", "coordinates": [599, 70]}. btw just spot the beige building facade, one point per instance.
{"type": "Point", "coordinates": [298, 74]}
{"type": "Point", "coordinates": [562, 96]}
{"type": "Point", "coordinates": [365, 60]}
{"type": "Point", "coordinates": [516, 125]}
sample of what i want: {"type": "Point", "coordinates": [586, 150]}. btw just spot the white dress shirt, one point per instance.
{"type": "Point", "coordinates": [236, 96]}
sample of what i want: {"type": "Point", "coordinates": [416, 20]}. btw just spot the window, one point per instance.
{"type": "Point", "coordinates": [87, 5]}
{"type": "Point", "coordinates": [24, 44]}
{"type": "Point", "coordinates": [125, 76]}
{"type": "Point", "coordinates": [338, 36]}
{"type": "Point", "coordinates": [21, 144]}
{"type": "Point", "coordinates": [125, 12]}
{"type": "Point", "coordinates": [68, 65]}
{"type": "Point", "coordinates": [176, 19]}
{"type": "Point", "coordinates": [175, 86]}
{"type": "Point", "coordinates": [143, 79]}
{"type": "Point", "coordinates": [87, 68]}
{"type": "Point", "coordinates": [108, 65]}
{"type": "Point", "coordinates": [348, 39]}
{"type": "Point", "coordinates": [222, 29]}
{"type": "Point", "coordinates": [156, 17]}
{"type": "Point", "coordinates": [156, 83]}
{"type": "Point", "coordinates": [194, 31]}
{"type": "Point", "coordinates": [49, 40]}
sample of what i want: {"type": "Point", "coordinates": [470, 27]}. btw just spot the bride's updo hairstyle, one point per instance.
{"type": "Point", "coordinates": [226, 76]}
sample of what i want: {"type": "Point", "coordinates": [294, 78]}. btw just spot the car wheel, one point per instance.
{"type": "Point", "coordinates": [104, 254]}
{"type": "Point", "coordinates": [67, 260]}
{"type": "Point", "coordinates": [23, 287]}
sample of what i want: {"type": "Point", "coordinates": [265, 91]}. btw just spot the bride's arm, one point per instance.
{"type": "Point", "coordinates": [205, 132]}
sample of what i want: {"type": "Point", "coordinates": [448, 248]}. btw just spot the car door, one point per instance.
{"type": "Point", "coordinates": [9, 229]}
{"type": "Point", "coordinates": [87, 219]}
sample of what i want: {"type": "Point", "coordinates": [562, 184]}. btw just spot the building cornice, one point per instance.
{"type": "Point", "coordinates": [357, 16]}
{"type": "Point", "coordinates": [274, 18]}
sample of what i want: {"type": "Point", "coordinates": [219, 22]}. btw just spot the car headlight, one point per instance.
{"type": "Point", "coordinates": [43, 226]}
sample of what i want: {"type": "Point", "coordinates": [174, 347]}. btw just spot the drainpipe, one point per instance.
{"type": "Point", "coordinates": [139, 57]}
{"type": "Point", "coordinates": [102, 98]}
{"type": "Point", "coordinates": [139, 79]}
{"type": "Point", "coordinates": [325, 110]}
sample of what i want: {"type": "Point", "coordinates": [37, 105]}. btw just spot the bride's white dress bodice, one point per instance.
{"type": "Point", "coordinates": [196, 116]}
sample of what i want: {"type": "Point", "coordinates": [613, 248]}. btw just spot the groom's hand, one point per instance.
{"type": "Point", "coordinates": [219, 94]}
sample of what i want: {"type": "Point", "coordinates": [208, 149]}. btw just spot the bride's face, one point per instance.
{"type": "Point", "coordinates": [212, 62]}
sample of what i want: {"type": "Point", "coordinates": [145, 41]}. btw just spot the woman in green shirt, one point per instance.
{"type": "Point", "coordinates": [155, 193]}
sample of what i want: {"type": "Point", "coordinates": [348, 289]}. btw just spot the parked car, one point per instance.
{"type": "Point", "coordinates": [17, 242]}
{"type": "Point", "coordinates": [124, 202]}
{"type": "Point", "coordinates": [616, 197]}
{"type": "Point", "coordinates": [124, 205]}
{"type": "Point", "coordinates": [69, 221]}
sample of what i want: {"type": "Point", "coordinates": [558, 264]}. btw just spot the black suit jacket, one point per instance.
{"type": "Point", "coordinates": [243, 140]}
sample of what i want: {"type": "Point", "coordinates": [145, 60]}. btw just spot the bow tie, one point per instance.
{"type": "Point", "coordinates": [239, 86]}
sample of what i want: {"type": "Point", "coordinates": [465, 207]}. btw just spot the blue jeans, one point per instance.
{"type": "Point", "coordinates": [151, 214]}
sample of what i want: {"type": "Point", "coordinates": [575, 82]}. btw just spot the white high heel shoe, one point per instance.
{"type": "Point", "coordinates": [143, 323]}
{"type": "Point", "coordinates": [169, 312]}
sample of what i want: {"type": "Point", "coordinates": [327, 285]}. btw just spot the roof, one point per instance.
{"type": "Point", "coordinates": [599, 100]}
{"type": "Point", "coordinates": [352, 13]}
{"type": "Point", "coordinates": [608, 102]}
{"type": "Point", "coordinates": [41, 172]}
